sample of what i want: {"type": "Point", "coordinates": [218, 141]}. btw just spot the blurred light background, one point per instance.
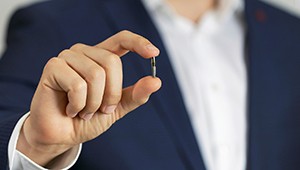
{"type": "Point", "coordinates": [7, 7]}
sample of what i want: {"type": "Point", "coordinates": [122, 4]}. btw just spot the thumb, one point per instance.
{"type": "Point", "coordinates": [138, 94]}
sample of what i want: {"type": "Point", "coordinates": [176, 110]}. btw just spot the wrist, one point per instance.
{"type": "Point", "coordinates": [32, 146]}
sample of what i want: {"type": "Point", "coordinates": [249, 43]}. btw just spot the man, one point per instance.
{"type": "Point", "coordinates": [197, 120]}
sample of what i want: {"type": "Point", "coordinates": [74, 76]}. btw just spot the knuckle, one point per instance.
{"type": "Point", "coordinates": [79, 86]}
{"type": "Point", "coordinates": [124, 32]}
{"type": "Point", "coordinates": [52, 63]}
{"type": "Point", "coordinates": [141, 40]}
{"type": "Point", "coordinates": [64, 53]}
{"type": "Point", "coordinates": [77, 47]}
{"type": "Point", "coordinates": [95, 73]}
{"type": "Point", "coordinates": [113, 61]}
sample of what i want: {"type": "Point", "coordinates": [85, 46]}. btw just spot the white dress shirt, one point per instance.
{"type": "Point", "coordinates": [18, 161]}
{"type": "Point", "coordinates": [208, 58]}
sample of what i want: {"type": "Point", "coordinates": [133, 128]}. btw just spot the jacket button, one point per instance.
{"type": "Point", "coordinates": [260, 15]}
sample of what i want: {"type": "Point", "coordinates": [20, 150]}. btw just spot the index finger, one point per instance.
{"type": "Point", "coordinates": [125, 41]}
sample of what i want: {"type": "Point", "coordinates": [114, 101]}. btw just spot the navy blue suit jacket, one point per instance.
{"type": "Point", "coordinates": [158, 135]}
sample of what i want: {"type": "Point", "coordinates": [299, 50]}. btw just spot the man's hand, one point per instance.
{"type": "Point", "coordinates": [80, 96]}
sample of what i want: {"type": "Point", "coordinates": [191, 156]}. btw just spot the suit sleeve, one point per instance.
{"type": "Point", "coordinates": [32, 39]}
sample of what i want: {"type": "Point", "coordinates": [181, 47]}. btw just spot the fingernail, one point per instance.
{"type": "Point", "coordinates": [153, 49]}
{"type": "Point", "coordinates": [110, 109]}
{"type": "Point", "coordinates": [87, 117]}
{"type": "Point", "coordinates": [72, 115]}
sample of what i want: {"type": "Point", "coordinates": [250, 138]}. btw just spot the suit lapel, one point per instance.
{"type": "Point", "coordinates": [273, 40]}
{"type": "Point", "coordinates": [132, 16]}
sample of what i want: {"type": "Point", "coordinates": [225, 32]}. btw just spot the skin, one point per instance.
{"type": "Point", "coordinates": [193, 10]}
{"type": "Point", "coordinates": [80, 92]}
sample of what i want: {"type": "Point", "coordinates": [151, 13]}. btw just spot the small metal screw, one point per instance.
{"type": "Point", "coordinates": [153, 66]}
